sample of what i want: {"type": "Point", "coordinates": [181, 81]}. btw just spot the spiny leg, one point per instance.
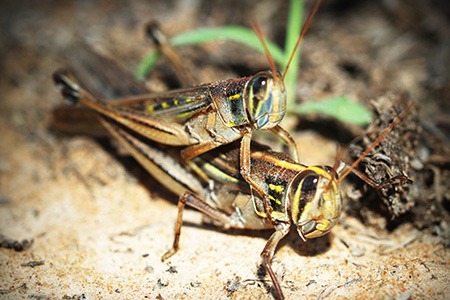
{"type": "Point", "coordinates": [176, 241]}
{"type": "Point", "coordinates": [193, 201]}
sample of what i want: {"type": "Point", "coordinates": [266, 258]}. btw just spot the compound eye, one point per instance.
{"type": "Point", "coordinates": [259, 87]}
{"type": "Point", "coordinates": [265, 100]}
{"type": "Point", "coordinates": [309, 184]}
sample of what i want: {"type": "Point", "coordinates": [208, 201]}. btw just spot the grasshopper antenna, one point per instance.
{"type": "Point", "coordinates": [334, 172]}
{"type": "Point", "coordinates": [260, 36]}
{"type": "Point", "coordinates": [337, 162]}
{"type": "Point", "coordinates": [388, 129]}
{"type": "Point", "coordinates": [302, 34]}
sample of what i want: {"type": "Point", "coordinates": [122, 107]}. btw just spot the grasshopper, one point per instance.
{"type": "Point", "coordinates": [306, 197]}
{"type": "Point", "coordinates": [201, 117]}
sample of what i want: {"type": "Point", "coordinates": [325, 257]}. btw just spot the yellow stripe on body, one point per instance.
{"type": "Point", "coordinates": [296, 167]}
{"type": "Point", "coordinates": [276, 188]}
{"type": "Point", "coordinates": [234, 97]}
{"type": "Point", "coordinates": [150, 109]}
{"type": "Point", "coordinates": [217, 173]}
{"type": "Point", "coordinates": [276, 200]}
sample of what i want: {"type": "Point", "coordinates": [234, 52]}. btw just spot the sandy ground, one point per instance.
{"type": "Point", "coordinates": [100, 225]}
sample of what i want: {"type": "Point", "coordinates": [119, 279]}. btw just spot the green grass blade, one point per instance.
{"type": "Point", "coordinates": [294, 24]}
{"type": "Point", "coordinates": [146, 65]}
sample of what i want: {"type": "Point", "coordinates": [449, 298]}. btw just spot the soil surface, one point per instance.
{"type": "Point", "coordinates": [79, 221]}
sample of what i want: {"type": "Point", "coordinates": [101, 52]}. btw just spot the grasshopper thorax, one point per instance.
{"type": "Point", "coordinates": [315, 201]}
{"type": "Point", "coordinates": [265, 100]}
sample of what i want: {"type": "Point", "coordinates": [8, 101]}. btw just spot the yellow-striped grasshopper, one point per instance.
{"type": "Point", "coordinates": [201, 117]}
{"type": "Point", "coordinates": [307, 197]}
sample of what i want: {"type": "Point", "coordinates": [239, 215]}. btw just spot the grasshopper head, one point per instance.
{"type": "Point", "coordinates": [265, 100]}
{"type": "Point", "coordinates": [315, 202]}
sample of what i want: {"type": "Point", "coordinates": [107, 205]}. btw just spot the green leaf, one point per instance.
{"type": "Point", "coordinates": [340, 108]}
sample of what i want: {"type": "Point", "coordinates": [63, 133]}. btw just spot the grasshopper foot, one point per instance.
{"type": "Point", "coordinates": [168, 254]}
{"type": "Point", "coordinates": [68, 84]}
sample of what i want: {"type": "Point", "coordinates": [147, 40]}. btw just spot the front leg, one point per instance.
{"type": "Point", "coordinates": [267, 254]}
{"type": "Point", "coordinates": [245, 169]}
{"type": "Point", "coordinates": [288, 140]}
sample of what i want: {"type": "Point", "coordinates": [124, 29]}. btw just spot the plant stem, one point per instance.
{"type": "Point", "coordinates": [295, 19]}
